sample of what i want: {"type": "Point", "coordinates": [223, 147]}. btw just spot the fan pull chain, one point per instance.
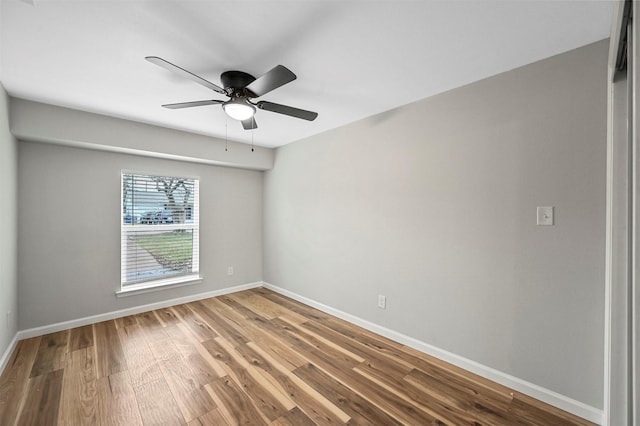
{"type": "Point", "coordinates": [253, 119]}
{"type": "Point", "coordinates": [226, 136]}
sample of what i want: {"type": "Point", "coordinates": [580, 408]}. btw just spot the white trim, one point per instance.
{"type": "Point", "coordinates": [7, 354]}
{"type": "Point", "coordinates": [550, 397]}
{"type": "Point", "coordinates": [156, 173]}
{"type": "Point", "coordinates": [634, 61]}
{"type": "Point", "coordinates": [608, 262]}
{"type": "Point", "coordinates": [159, 285]}
{"type": "Point", "coordinates": [158, 227]}
{"type": "Point", "coordinates": [65, 325]}
{"type": "Point", "coordinates": [611, 375]}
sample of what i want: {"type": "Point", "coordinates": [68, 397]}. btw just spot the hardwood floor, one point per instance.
{"type": "Point", "coordinates": [249, 358]}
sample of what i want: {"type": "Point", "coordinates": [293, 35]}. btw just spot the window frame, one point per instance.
{"type": "Point", "coordinates": [161, 282]}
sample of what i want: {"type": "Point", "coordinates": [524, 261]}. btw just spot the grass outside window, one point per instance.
{"type": "Point", "coordinates": [172, 250]}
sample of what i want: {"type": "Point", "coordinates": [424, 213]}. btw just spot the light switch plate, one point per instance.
{"type": "Point", "coordinates": [544, 216]}
{"type": "Point", "coordinates": [382, 301]}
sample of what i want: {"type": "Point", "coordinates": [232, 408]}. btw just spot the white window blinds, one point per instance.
{"type": "Point", "coordinates": [159, 237]}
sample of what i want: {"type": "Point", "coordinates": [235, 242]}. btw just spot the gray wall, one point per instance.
{"type": "Point", "coordinates": [8, 226]}
{"type": "Point", "coordinates": [434, 206]}
{"type": "Point", "coordinates": [69, 230]}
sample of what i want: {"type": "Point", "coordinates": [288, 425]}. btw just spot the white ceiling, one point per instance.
{"type": "Point", "coordinates": [353, 58]}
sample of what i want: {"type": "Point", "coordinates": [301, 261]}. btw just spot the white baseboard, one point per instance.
{"type": "Point", "coordinates": [550, 397]}
{"type": "Point", "coordinates": [52, 328]}
{"type": "Point", "coordinates": [7, 354]}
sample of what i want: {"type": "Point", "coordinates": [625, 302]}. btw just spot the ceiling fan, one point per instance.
{"type": "Point", "coordinates": [240, 87]}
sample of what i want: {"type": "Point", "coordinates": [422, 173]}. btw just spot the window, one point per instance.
{"type": "Point", "coordinates": [159, 230]}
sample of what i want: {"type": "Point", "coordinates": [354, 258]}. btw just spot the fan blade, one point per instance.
{"type": "Point", "coordinates": [184, 73]}
{"type": "Point", "coordinates": [274, 78]}
{"type": "Point", "coordinates": [192, 104]}
{"type": "Point", "coordinates": [249, 123]}
{"type": "Point", "coordinates": [287, 110]}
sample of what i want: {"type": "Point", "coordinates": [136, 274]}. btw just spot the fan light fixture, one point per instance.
{"type": "Point", "coordinates": [239, 109]}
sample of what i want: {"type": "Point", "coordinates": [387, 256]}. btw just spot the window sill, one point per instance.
{"type": "Point", "coordinates": [159, 285]}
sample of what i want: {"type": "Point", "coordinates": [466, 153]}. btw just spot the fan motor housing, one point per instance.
{"type": "Point", "coordinates": [236, 80]}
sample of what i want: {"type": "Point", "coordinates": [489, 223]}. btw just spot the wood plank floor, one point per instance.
{"type": "Point", "coordinates": [248, 358]}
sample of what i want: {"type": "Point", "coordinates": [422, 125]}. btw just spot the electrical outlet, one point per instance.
{"type": "Point", "coordinates": [230, 270]}
{"type": "Point", "coordinates": [382, 301]}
